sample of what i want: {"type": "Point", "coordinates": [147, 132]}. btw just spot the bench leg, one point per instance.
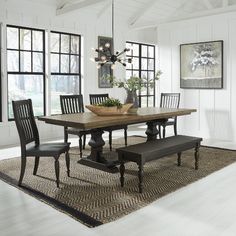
{"type": "Point", "coordinates": [122, 172]}
{"type": "Point", "coordinates": [196, 155]}
{"type": "Point", "coordinates": [179, 158]}
{"type": "Point", "coordinates": [140, 176]}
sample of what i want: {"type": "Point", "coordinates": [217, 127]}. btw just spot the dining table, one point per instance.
{"type": "Point", "coordinates": [96, 124]}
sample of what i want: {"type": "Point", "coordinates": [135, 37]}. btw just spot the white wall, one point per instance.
{"type": "Point", "coordinates": [84, 22]}
{"type": "Point", "coordinates": [216, 109]}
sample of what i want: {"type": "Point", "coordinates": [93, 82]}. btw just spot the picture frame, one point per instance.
{"type": "Point", "coordinates": [201, 65]}
{"type": "Point", "coordinates": [105, 70]}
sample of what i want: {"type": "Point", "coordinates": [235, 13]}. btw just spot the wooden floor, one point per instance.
{"type": "Point", "coordinates": [204, 208]}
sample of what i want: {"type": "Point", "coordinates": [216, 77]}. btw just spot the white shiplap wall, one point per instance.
{"type": "Point", "coordinates": [216, 109]}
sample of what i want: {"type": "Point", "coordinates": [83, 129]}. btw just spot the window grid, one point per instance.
{"type": "Point", "coordinates": [145, 98]}
{"type": "Point", "coordinates": [71, 75]}
{"type": "Point", "coordinates": [20, 70]}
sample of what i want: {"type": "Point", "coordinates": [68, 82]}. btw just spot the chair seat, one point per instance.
{"type": "Point", "coordinates": [49, 149]}
{"type": "Point", "coordinates": [78, 131]}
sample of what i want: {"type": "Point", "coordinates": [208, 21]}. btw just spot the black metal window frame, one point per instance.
{"type": "Point", "coordinates": [19, 50]}
{"type": "Point", "coordinates": [140, 70]}
{"type": "Point", "coordinates": [68, 54]}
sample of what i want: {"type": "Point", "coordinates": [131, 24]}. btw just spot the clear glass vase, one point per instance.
{"type": "Point", "coordinates": [132, 98]}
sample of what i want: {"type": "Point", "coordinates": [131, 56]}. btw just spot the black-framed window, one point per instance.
{"type": "Point", "coordinates": [65, 67]}
{"type": "Point", "coordinates": [143, 66]}
{"type": "Point", "coordinates": [26, 67]}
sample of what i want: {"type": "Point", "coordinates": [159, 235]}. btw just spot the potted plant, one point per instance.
{"type": "Point", "coordinates": [132, 85]}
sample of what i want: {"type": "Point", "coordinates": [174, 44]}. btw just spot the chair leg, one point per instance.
{"type": "Point", "coordinates": [65, 135]}
{"type": "Point", "coordinates": [110, 139]}
{"type": "Point", "coordinates": [67, 156]}
{"type": "Point", "coordinates": [164, 132]}
{"type": "Point", "coordinates": [57, 170]}
{"type": "Point", "coordinates": [22, 170]}
{"type": "Point", "coordinates": [125, 135]}
{"type": "Point", "coordinates": [159, 129]}
{"type": "Point", "coordinates": [175, 128]}
{"type": "Point", "coordinates": [36, 165]}
{"type": "Point", "coordinates": [84, 141]}
{"type": "Point", "coordinates": [80, 146]}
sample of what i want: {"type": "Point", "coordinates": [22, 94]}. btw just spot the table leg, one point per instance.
{"type": "Point", "coordinates": [96, 158]}
{"type": "Point", "coordinates": [152, 130]}
{"type": "Point", "coordinates": [96, 143]}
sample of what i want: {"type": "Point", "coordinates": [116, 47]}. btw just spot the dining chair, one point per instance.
{"type": "Point", "coordinates": [30, 142]}
{"type": "Point", "coordinates": [99, 98]}
{"type": "Point", "coordinates": [74, 104]}
{"type": "Point", "coordinates": [169, 100]}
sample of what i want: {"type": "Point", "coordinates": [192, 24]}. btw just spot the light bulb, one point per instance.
{"type": "Point", "coordinates": [100, 48]}
{"type": "Point", "coordinates": [107, 45]}
{"type": "Point", "coordinates": [113, 66]}
{"type": "Point", "coordinates": [93, 49]}
{"type": "Point", "coordinates": [103, 58]}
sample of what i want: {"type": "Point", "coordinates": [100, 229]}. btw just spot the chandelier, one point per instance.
{"type": "Point", "coordinates": [106, 54]}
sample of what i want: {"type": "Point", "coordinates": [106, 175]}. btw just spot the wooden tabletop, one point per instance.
{"type": "Point", "coordinates": [89, 120]}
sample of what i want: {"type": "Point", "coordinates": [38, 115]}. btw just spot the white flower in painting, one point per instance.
{"type": "Point", "coordinates": [204, 55]}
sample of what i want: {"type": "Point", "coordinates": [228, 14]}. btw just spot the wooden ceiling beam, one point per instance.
{"type": "Point", "coordinates": [76, 6]}
{"type": "Point", "coordinates": [141, 12]}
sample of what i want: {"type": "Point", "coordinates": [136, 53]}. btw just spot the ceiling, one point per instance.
{"type": "Point", "coordinates": [146, 13]}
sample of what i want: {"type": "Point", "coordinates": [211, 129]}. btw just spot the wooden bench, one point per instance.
{"type": "Point", "coordinates": [155, 149]}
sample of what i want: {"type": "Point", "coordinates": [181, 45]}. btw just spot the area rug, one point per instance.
{"type": "Point", "coordinates": [94, 197]}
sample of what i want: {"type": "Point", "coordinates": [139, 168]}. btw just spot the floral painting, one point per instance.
{"type": "Point", "coordinates": [201, 65]}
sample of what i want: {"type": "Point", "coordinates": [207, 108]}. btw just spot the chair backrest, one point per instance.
{"type": "Point", "coordinates": [25, 122]}
{"type": "Point", "coordinates": [98, 98]}
{"type": "Point", "coordinates": [170, 100]}
{"type": "Point", "coordinates": [71, 104]}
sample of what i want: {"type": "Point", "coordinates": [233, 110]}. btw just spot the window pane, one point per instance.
{"type": "Point", "coordinates": [64, 64]}
{"type": "Point", "coordinates": [151, 89]}
{"type": "Point", "coordinates": [74, 64]}
{"type": "Point", "coordinates": [150, 64]}
{"type": "Point", "coordinates": [25, 39]}
{"type": "Point", "coordinates": [65, 43]}
{"type": "Point", "coordinates": [25, 87]}
{"type": "Point", "coordinates": [12, 38]}
{"type": "Point", "coordinates": [128, 74]}
{"type": "Point", "coordinates": [54, 63]}
{"type": "Point", "coordinates": [129, 65]}
{"type": "Point", "coordinates": [129, 46]}
{"type": "Point", "coordinates": [136, 73]}
{"type": "Point", "coordinates": [144, 64]}
{"type": "Point", "coordinates": [135, 63]}
{"type": "Point", "coordinates": [144, 89]}
{"type": "Point", "coordinates": [144, 51]}
{"type": "Point", "coordinates": [25, 61]}
{"type": "Point", "coordinates": [151, 101]}
{"type": "Point", "coordinates": [37, 40]}
{"type": "Point", "coordinates": [54, 42]}
{"type": "Point", "coordinates": [143, 101]}
{"type": "Point", "coordinates": [151, 52]}
{"type": "Point", "coordinates": [37, 62]}
{"type": "Point", "coordinates": [144, 75]}
{"type": "Point", "coordinates": [150, 76]}
{"type": "Point", "coordinates": [62, 85]}
{"type": "Point", "coordinates": [135, 50]}
{"type": "Point", "coordinates": [75, 44]}
{"type": "Point", "coordinates": [12, 60]}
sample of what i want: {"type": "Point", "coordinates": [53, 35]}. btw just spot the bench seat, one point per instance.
{"type": "Point", "coordinates": [155, 149]}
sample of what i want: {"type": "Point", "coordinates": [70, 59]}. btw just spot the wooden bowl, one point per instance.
{"type": "Point", "coordinates": [109, 111]}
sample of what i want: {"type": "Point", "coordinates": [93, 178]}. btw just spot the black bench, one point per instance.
{"type": "Point", "coordinates": [155, 149]}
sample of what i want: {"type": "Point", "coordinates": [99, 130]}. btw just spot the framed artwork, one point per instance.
{"type": "Point", "coordinates": [105, 70]}
{"type": "Point", "coordinates": [201, 65]}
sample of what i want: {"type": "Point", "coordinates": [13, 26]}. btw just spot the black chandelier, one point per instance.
{"type": "Point", "coordinates": [105, 54]}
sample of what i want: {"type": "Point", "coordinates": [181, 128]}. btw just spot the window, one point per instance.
{"type": "Point", "coordinates": [143, 66]}
{"type": "Point", "coordinates": [65, 67]}
{"type": "Point", "coordinates": [26, 67]}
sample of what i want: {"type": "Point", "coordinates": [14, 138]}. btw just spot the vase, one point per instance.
{"type": "Point", "coordinates": [132, 98]}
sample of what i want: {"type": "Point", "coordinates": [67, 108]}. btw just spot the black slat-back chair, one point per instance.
{"type": "Point", "coordinates": [74, 104]}
{"type": "Point", "coordinates": [99, 98]}
{"type": "Point", "coordinates": [30, 143]}
{"type": "Point", "coordinates": [169, 100]}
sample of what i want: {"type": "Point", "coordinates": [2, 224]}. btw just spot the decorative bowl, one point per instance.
{"type": "Point", "coordinates": [109, 111]}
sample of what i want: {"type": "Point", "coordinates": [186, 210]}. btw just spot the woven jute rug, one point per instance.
{"type": "Point", "coordinates": [94, 197]}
